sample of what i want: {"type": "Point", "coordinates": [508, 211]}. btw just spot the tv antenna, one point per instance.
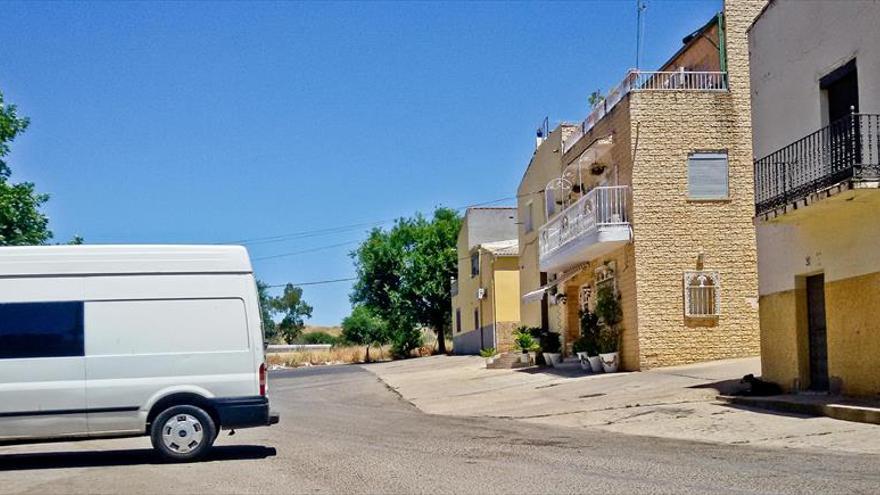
{"type": "Point", "coordinates": [640, 7]}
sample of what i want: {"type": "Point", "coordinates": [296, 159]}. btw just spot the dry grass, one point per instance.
{"type": "Point", "coordinates": [334, 355]}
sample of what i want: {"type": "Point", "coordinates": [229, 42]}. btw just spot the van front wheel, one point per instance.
{"type": "Point", "coordinates": [183, 433]}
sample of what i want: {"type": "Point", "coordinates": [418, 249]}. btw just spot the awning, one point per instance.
{"type": "Point", "coordinates": [537, 294]}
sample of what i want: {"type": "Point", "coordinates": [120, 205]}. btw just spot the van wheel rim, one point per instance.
{"type": "Point", "coordinates": [182, 433]}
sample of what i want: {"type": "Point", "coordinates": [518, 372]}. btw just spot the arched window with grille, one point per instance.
{"type": "Point", "coordinates": [702, 294]}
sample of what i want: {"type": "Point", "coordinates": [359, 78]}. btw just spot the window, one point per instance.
{"type": "Point", "coordinates": [475, 264]}
{"type": "Point", "coordinates": [41, 330]}
{"type": "Point", "coordinates": [476, 319]}
{"type": "Point", "coordinates": [702, 294]}
{"type": "Point", "coordinates": [707, 175]}
{"type": "Point", "coordinates": [530, 217]}
{"type": "Point", "coordinates": [458, 320]}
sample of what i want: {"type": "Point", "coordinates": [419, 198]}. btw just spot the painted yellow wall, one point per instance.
{"type": "Point", "coordinates": [837, 237]}
{"type": "Point", "coordinates": [546, 164]}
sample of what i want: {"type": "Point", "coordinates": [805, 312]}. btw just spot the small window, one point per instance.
{"type": "Point", "coordinates": [476, 319]}
{"type": "Point", "coordinates": [475, 264]}
{"type": "Point", "coordinates": [41, 330]}
{"type": "Point", "coordinates": [702, 294]}
{"type": "Point", "coordinates": [458, 320]}
{"type": "Point", "coordinates": [530, 217]}
{"type": "Point", "coordinates": [707, 175]}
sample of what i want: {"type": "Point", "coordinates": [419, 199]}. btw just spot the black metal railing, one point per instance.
{"type": "Point", "coordinates": [847, 149]}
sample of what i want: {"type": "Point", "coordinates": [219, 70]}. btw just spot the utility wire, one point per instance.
{"type": "Point", "coordinates": [317, 282]}
{"type": "Point", "coordinates": [312, 250]}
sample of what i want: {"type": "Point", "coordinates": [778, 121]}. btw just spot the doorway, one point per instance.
{"type": "Point", "coordinates": [841, 90]}
{"type": "Point", "coordinates": [817, 333]}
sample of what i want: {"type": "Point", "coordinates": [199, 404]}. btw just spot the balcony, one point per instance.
{"type": "Point", "coordinates": [594, 225]}
{"type": "Point", "coordinates": [841, 156]}
{"type": "Point", "coordinates": [642, 80]}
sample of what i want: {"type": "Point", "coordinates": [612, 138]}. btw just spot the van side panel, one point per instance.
{"type": "Point", "coordinates": [41, 396]}
{"type": "Point", "coordinates": [148, 336]}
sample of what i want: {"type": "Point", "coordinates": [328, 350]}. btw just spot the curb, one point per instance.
{"type": "Point", "coordinates": [843, 412]}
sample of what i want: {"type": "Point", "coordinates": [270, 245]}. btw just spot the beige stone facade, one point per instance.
{"type": "Point", "coordinates": [635, 160]}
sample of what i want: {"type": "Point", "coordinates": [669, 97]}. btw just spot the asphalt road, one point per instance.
{"type": "Point", "coordinates": [343, 431]}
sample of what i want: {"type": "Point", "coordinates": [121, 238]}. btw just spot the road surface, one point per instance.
{"type": "Point", "coordinates": [344, 431]}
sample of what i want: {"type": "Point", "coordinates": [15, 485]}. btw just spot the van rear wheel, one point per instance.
{"type": "Point", "coordinates": [183, 433]}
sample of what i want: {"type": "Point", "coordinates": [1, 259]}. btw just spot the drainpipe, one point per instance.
{"type": "Point", "coordinates": [722, 44]}
{"type": "Point", "coordinates": [479, 300]}
{"type": "Point", "coordinates": [494, 309]}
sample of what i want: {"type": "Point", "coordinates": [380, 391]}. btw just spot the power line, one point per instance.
{"type": "Point", "coordinates": [311, 250]}
{"type": "Point", "coordinates": [317, 282]}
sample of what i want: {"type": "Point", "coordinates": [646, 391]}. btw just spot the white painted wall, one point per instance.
{"type": "Point", "coordinates": [840, 238]}
{"type": "Point", "coordinates": [792, 46]}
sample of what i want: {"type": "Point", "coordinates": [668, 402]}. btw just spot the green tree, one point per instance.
{"type": "Point", "coordinates": [404, 276]}
{"type": "Point", "coordinates": [21, 221]}
{"type": "Point", "coordinates": [270, 330]}
{"type": "Point", "coordinates": [363, 327]}
{"type": "Point", "coordinates": [293, 311]}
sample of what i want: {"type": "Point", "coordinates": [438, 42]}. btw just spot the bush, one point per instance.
{"type": "Point", "coordinates": [523, 339]}
{"type": "Point", "coordinates": [488, 352]}
{"type": "Point", "coordinates": [589, 340]}
{"type": "Point", "coordinates": [550, 342]}
{"type": "Point", "coordinates": [318, 338]}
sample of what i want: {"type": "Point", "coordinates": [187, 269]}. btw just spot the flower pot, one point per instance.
{"type": "Point", "coordinates": [595, 364]}
{"type": "Point", "coordinates": [584, 360]}
{"type": "Point", "coordinates": [490, 360]}
{"type": "Point", "coordinates": [610, 361]}
{"type": "Point", "coordinates": [552, 358]}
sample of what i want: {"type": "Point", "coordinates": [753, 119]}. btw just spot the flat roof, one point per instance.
{"type": "Point", "coordinates": [122, 259]}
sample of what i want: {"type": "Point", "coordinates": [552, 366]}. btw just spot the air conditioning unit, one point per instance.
{"type": "Point", "coordinates": [481, 293]}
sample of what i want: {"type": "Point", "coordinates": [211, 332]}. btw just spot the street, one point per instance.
{"type": "Point", "coordinates": [343, 431]}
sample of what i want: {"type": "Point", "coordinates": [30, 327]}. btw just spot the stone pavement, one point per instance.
{"type": "Point", "coordinates": [677, 402]}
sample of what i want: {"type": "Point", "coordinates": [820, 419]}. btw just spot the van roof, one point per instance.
{"type": "Point", "coordinates": [122, 259]}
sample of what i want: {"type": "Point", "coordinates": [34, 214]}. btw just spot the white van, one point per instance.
{"type": "Point", "coordinates": [113, 341]}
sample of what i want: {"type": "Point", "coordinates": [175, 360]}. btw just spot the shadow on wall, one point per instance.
{"type": "Point", "coordinates": [106, 458]}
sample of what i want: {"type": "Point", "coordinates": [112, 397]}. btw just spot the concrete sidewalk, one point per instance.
{"type": "Point", "coordinates": [678, 402]}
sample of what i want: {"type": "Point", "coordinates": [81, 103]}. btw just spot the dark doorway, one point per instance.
{"type": "Point", "coordinates": [545, 310]}
{"type": "Point", "coordinates": [841, 88]}
{"type": "Point", "coordinates": [818, 337]}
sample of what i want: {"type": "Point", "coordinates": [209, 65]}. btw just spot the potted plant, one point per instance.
{"type": "Point", "coordinates": [550, 347]}
{"type": "Point", "coordinates": [489, 353]}
{"type": "Point", "coordinates": [610, 313]}
{"type": "Point", "coordinates": [587, 347]}
{"type": "Point", "coordinates": [523, 340]}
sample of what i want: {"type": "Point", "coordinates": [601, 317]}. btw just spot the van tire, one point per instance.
{"type": "Point", "coordinates": [183, 433]}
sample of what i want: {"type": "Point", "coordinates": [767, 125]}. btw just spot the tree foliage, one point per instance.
{"type": "Point", "coordinates": [289, 309]}
{"type": "Point", "coordinates": [21, 221]}
{"type": "Point", "coordinates": [404, 276]}
{"type": "Point", "coordinates": [365, 328]}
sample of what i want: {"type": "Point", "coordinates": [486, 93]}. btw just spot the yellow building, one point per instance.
{"type": "Point", "coordinates": [485, 295]}
{"type": "Point", "coordinates": [652, 195]}
{"type": "Point", "coordinates": [816, 113]}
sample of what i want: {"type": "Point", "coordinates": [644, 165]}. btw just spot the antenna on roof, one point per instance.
{"type": "Point", "coordinates": [640, 7]}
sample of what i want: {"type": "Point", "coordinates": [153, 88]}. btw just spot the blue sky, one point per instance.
{"type": "Point", "coordinates": [219, 122]}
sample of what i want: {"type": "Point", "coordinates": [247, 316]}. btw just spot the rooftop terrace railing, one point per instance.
{"type": "Point", "coordinates": [641, 80]}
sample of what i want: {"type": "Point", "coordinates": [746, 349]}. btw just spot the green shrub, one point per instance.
{"type": "Point", "coordinates": [318, 338]}
{"type": "Point", "coordinates": [610, 312]}
{"type": "Point", "coordinates": [550, 342]}
{"type": "Point", "coordinates": [523, 339]}
{"type": "Point", "coordinates": [488, 352]}
{"type": "Point", "coordinates": [588, 341]}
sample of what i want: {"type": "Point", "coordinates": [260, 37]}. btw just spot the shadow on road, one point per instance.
{"type": "Point", "coordinates": [130, 457]}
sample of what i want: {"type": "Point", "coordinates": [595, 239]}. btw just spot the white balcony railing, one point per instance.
{"type": "Point", "coordinates": [601, 207]}
{"type": "Point", "coordinates": [642, 80]}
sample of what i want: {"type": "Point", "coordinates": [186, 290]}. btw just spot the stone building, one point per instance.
{"type": "Point", "coordinates": [653, 196]}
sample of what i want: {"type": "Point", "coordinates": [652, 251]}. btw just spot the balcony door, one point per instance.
{"type": "Point", "coordinates": [841, 89]}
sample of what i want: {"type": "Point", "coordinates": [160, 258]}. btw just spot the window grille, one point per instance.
{"type": "Point", "coordinates": [702, 294]}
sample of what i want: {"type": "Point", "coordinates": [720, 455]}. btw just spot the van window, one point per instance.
{"type": "Point", "coordinates": [41, 330]}
{"type": "Point", "coordinates": [165, 326]}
